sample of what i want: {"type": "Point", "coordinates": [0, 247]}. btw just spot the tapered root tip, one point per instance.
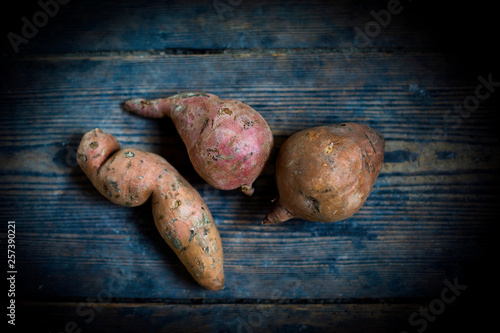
{"type": "Point", "coordinates": [143, 107]}
{"type": "Point", "coordinates": [217, 285]}
{"type": "Point", "coordinates": [277, 215]}
{"type": "Point", "coordinates": [132, 105]}
{"type": "Point", "coordinates": [247, 189]}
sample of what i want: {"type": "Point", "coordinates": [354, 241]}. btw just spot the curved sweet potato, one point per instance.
{"type": "Point", "coordinates": [130, 177]}
{"type": "Point", "coordinates": [228, 142]}
{"type": "Point", "coordinates": [325, 173]}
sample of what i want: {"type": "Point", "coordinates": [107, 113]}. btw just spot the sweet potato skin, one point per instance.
{"type": "Point", "coordinates": [326, 173]}
{"type": "Point", "coordinates": [130, 177]}
{"type": "Point", "coordinates": [228, 142]}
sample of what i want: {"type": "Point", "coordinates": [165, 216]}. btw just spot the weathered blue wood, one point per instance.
{"type": "Point", "coordinates": [430, 218]}
{"type": "Point", "coordinates": [414, 231]}
{"type": "Point", "coordinates": [213, 25]}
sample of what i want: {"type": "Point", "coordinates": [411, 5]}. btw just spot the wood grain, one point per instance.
{"type": "Point", "coordinates": [208, 26]}
{"type": "Point", "coordinates": [160, 317]}
{"type": "Point", "coordinates": [430, 218]}
{"type": "Point", "coordinates": [414, 231]}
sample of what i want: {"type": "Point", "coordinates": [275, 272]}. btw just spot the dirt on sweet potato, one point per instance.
{"type": "Point", "coordinates": [326, 173]}
{"type": "Point", "coordinates": [130, 177]}
{"type": "Point", "coordinates": [228, 142]}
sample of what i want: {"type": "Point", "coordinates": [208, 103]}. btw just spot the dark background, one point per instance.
{"type": "Point", "coordinates": [431, 216]}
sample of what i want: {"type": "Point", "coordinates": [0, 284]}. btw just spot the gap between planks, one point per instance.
{"type": "Point", "coordinates": [222, 301]}
{"type": "Point", "coordinates": [108, 54]}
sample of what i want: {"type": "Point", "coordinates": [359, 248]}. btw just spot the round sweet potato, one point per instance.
{"type": "Point", "coordinates": [228, 142]}
{"type": "Point", "coordinates": [325, 173]}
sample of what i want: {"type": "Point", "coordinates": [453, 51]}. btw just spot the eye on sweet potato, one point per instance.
{"type": "Point", "coordinates": [326, 173]}
{"type": "Point", "coordinates": [228, 142]}
{"type": "Point", "coordinates": [130, 177]}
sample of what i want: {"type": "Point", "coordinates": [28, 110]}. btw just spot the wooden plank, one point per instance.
{"type": "Point", "coordinates": [427, 220]}
{"type": "Point", "coordinates": [160, 317]}
{"type": "Point", "coordinates": [86, 264]}
{"type": "Point", "coordinates": [179, 26]}
{"type": "Point", "coordinates": [213, 318]}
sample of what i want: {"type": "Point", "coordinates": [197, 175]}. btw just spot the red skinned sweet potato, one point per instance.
{"type": "Point", "coordinates": [326, 173]}
{"type": "Point", "coordinates": [130, 177]}
{"type": "Point", "coordinates": [228, 142]}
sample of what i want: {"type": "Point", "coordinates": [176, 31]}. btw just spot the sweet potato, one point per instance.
{"type": "Point", "coordinates": [130, 177]}
{"type": "Point", "coordinates": [325, 173]}
{"type": "Point", "coordinates": [228, 142]}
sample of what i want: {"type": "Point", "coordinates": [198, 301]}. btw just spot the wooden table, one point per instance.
{"type": "Point", "coordinates": [417, 257]}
